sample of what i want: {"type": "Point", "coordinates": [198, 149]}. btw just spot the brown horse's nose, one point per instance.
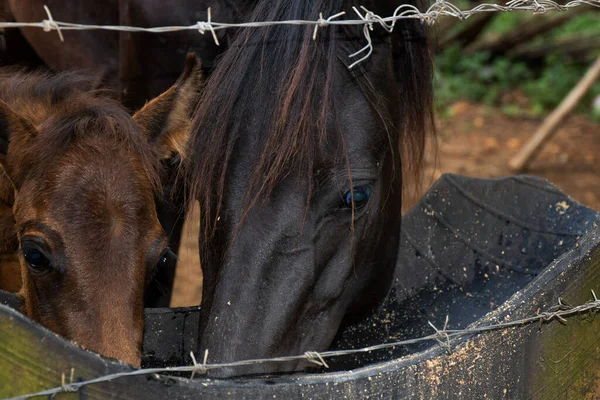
{"type": "Point", "coordinates": [119, 337]}
{"type": "Point", "coordinates": [132, 356]}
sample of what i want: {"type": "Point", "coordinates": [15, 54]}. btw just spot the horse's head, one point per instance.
{"type": "Point", "coordinates": [297, 167]}
{"type": "Point", "coordinates": [84, 174]}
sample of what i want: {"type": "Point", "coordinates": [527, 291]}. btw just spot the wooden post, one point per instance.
{"type": "Point", "coordinates": [522, 160]}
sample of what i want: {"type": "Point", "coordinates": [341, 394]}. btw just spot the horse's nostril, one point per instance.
{"type": "Point", "coordinates": [294, 251]}
{"type": "Point", "coordinates": [133, 359]}
{"type": "Point", "coordinates": [292, 245]}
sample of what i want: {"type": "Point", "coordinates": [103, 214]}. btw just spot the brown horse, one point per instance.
{"type": "Point", "coordinates": [82, 175]}
{"type": "Point", "coordinates": [138, 66]}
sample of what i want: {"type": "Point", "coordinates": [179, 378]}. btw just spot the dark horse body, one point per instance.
{"type": "Point", "coordinates": [297, 165]}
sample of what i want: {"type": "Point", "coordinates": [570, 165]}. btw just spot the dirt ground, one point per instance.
{"type": "Point", "coordinates": [479, 141]}
{"type": "Point", "coordinates": [475, 141]}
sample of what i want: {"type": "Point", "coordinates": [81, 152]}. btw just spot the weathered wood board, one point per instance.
{"type": "Point", "coordinates": [545, 361]}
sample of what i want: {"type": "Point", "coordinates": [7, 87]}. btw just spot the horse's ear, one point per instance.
{"type": "Point", "coordinates": [167, 119]}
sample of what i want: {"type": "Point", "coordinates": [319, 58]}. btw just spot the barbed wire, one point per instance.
{"type": "Point", "coordinates": [366, 17]}
{"type": "Point", "coordinates": [559, 312]}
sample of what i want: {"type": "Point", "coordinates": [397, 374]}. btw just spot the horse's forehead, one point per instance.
{"type": "Point", "coordinates": [110, 161]}
{"type": "Point", "coordinates": [92, 184]}
{"type": "Point", "coordinates": [101, 224]}
{"type": "Point", "coordinates": [112, 184]}
{"type": "Point", "coordinates": [356, 135]}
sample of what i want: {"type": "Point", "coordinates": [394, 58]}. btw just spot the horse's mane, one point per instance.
{"type": "Point", "coordinates": [69, 106]}
{"type": "Point", "coordinates": [284, 80]}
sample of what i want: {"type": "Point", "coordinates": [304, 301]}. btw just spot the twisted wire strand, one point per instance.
{"type": "Point", "coordinates": [366, 18]}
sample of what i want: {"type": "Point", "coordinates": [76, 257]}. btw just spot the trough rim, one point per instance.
{"type": "Point", "coordinates": [569, 259]}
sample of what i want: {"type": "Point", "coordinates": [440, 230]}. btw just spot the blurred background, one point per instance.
{"type": "Point", "coordinates": [498, 75]}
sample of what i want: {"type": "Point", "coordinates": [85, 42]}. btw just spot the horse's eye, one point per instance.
{"type": "Point", "coordinates": [360, 195]}
{"type": "Point", "coordinates": [165, 259]}
{"type": "Point", "coordinates": [163, 262]}
{"type": "Point", "coordinates": [36, 260]}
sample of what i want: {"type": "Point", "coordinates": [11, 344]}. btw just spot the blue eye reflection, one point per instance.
{"type": "Point", "coordinates": [361, 196]}
{"type": "Point", "coordinates": [163, 261]}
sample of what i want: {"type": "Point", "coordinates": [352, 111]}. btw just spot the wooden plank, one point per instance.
{"type": "Point", "coordinates": [170, 334]}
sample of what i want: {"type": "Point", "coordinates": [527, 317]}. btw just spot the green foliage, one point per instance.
{"type": "Point", "coordinates": [481, 78]}
{"type": "Point", "coordinates": [585, 24]}
{"type": "Point", "coordinates": [505, 22]}
{"type": "Point", "coordinates": [554, 82]}
{"type": "Point", "coordinates": [476, 78]}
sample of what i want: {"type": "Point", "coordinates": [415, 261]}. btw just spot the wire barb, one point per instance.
{"type": "Point", "coordinates": [442, 335]}
{"type": "Point", "coordinates": [204, 26]}
{"type": "Point", "coordinates": [49, 24]}
{"type": "Point", "coordinates": [68, 387]}
{"type": "Point", "coordinates": [199, 368]}
{"type": "Point", "coordinates": [321, 23]}
{"type": "Point", "coordinates": [368, 26]}
{"type": "Point", "coordinates": [315, 358]}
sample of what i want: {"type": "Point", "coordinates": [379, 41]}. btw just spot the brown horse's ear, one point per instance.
{"type": "Point", "coordinates": [167, 119]}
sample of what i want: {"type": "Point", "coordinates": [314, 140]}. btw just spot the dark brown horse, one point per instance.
{"type": "Point", "coordinates": [297, 164]}
{"type": "Point", "coordinates": [138, 66]}
{"type": "Point", "coordinates": [81, 177]}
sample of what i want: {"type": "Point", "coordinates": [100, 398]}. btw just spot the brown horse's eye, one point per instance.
{"type": "Point", "coordinates": [165, 260]}
{"type": "Point", "coordinates": [36, 260]}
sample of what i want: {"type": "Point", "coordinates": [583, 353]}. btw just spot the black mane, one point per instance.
{"type": "Point", "coordinates": [284, 80]}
